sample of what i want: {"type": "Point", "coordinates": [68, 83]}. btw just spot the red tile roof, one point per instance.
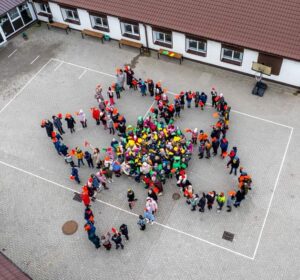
{"type": "Point", "coordinates": [271, 26]}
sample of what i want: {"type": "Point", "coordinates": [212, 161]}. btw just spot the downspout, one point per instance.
{"type": "Point", "coordinates": [147, 43]}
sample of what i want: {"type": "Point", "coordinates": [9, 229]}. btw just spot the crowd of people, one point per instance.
{"type": "Point", "coordinates": [151, 152]}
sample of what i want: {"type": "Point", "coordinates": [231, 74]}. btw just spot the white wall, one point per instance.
{"type": "Point", "coordinates": [289, 70]}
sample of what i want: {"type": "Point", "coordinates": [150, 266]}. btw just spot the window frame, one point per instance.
{"type": "Point", "coordinates": [231, 59]}
{"type": "Point", "coordinates": [98, 27]}
{"type": "Point", "coordinates": [65, 15]}
{"type": "Point", "coordinates": [135, 36]}
{"type": "Point", "coordinates": [45, 11]}
{"type": "Point", "coordinates": [162, 43]}
{"type": "Point", "coordinates": [199, 52]}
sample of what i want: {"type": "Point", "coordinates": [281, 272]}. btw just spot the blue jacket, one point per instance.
{"type": "Point", "coordinates": [74, 172]}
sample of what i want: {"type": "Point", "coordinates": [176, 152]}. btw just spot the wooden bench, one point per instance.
{"type": "Point", "coordinates": [59, 25]}
{"type": "Point", "coordinates": [86, 32]}
{"type": "Point", "coordinates": [131, 44]}
{"type": "Point", "coordinates": [170, 54]}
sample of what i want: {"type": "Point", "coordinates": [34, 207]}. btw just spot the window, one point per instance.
{"type": "Point", "coordinates": [44, 8]}
{"type": "Point", "coordinates": [196, 46]}
{"type": "Point", "coordinates": [130, 30]}
{"type": "Point", "coordinates": [6, 25]}
{"type": "Point", "coordinates": [16, 19]}
{"type": "Point", "coordinates": [99, 22]}
{"type": "Point", "coordinates": [25, 13]}
{"type": "Point", "coordinates": [231, 55]}
{"type": "Point", "coordinates": [162, 38]}
{"type": "Point", "coordinates": [70, 15]}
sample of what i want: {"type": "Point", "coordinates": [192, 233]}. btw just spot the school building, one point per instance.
{"type": "Point", "coordinates": [224, 33]}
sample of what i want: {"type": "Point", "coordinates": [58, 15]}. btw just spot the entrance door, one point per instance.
{"type": "Point", "coordinates": [1, 38]}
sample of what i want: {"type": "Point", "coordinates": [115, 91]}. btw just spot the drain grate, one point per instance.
{"type": "Point", "coordinates": [77, 197]}
{"type": "Point", "coordinates": [228, 236]}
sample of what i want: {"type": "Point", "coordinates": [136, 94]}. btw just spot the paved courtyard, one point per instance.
{"type": "Point", "coordinates": [53, 72]}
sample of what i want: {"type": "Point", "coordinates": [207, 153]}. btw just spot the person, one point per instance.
{"type": "Point", "coordinates": [120, 79]}
{"type": "Point", "coordinates": [240, 195]}
{"type": "Point", "coordinates": [224, 147]}
{"type": "Point", "coordinates": [96, 158]}
{"type": "Point", "coordinates": [75, 175]}
{"type": "Point", "coordinates": [148, 215]}
{"type": "Point", "coordinates": [96, 115]}
{"type": "Point", "coordinates": [99, 96]}
{"type": "Point", "coordinates": [106, 241]}
{"type": "Point", "coordinates": [85, 197]}
{"type": "Point", "coordinates": [58, 124]}
{"type": "Point", "coordinates": [69, 160]}
{"type": "Point", "coordinates": [214, 95]}
{"type": "Point", "coordinates": [129, 75]}
{"type": "Point", "coordinates": [189, 98]}
{"type": "Point", "coordinates": [177, 109]}
{"type": "Point", "coordinates": [131, 198]}
{"type": "Point", "coordinates": [150, 87]}
{"type": "Point", "coordinates": [110, 125]}
{"type": "Point", "coordinates": [194, 201]}
{"type": "Point", "coordinates": [152, 195]}
{"type": "Point", "coordinates": [215, 145]}
{"type": "Point", "coordinates": [91, 230]}
{"type": "Point", "coordinates": [143, 87]}
{"type": "Point", "coordinates": [88, 214]}
{"type": "Point", "coordinates": [63, 149]}
{"type": "Point", "coordinates": [230, 200]}
{"type": "Point", "coordinates": [207, 148]}
{"type": "Point", "coordinates": [82, 118]}
{"type": "Point", "coordinates": [221, 201]}
{"type": "Point", "coordinates": [201, 150]}
{"type": "Point", "coordinates": [110, 95]}
{"type": "Point", "coordinates": [124, 231]}
{"type": "Point", "coordinates": [70, 122]}
{"type": "Point", "coordinates": [141, 222]}
{"type": "Point", "coordinates": [210, 199]}
{"type": "Point", "coordinates": [202, 203]}
{"type": "Point", "coordinates": [235, 163]}
{"type": "Point", "coordinates": [49, 127]}
{"type": "Point", "coordinates": [79, 155]}
{"type": "Point", "coordinates": [117, 238]}
{"type": "Point", "coordinates": [89, 159]}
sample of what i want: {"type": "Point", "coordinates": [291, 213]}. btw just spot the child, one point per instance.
{"type": "Point", "coordinates": [79, 155]}
{"type": "Point", "coordinates": [230, 200]}
{"type": "Point", "coordinates": [110, 94]}
{"type": "Point", "coordinates": [69, 160]}
{"type": "Point", "coordinates": [134, 83]}
{"type": "Point", "coordinates": [202, 203]}
{"type": "Point", "coordinates": [143, 87]}
{"type": "Point", "coordinates": [131, 198]}
{"type": "Point", "coordinates": [149, 216]}
{"type": "Point", "coordinates": [117, 238]}
{"type": "Point", "coordinates": [110, 125]}
{"type": "Point", "coordinates": [142, 222]}
{"type": "Point", "coordinates": [124, 231]}
{"type": "Point", "coordinates": [89, 159]}
{"type": "Point", "coordinates": [106, 241]}
{"type": "Point", "coordinates": [75, 175]}
{"type": "Point", "coordinates": [82, 118]}
{"type": "Point", "coordinates": [118, 91]}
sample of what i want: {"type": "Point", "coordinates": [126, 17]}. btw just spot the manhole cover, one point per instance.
{"type": "Point", "coordinates": [69, 227]}
{"type": "Point", "coordinates": [228, 236]}
{"type": "Point", "coordinates": [77, 197]}
{"type": "Point", "coordinates": [176, 196]}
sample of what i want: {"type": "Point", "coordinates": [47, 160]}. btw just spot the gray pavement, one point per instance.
{"type": "Point", "coordinates": [183, 245]}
